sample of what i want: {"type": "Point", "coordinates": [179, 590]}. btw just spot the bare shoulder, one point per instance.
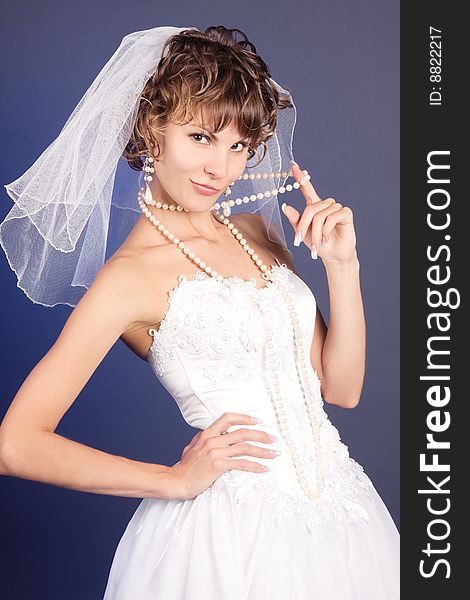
{"type": "Point", "coordinates": [117, 295]}
{"type": "Point", "coordinates": [138, 283]}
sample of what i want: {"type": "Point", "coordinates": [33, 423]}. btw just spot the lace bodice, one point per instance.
{"type": "Point", "coordinates": [210, 354]}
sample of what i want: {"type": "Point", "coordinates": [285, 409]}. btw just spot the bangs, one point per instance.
{"type": "Point", "coordinates": [210, 78]}
{"type": "Point", "coordinates": [214, 111]}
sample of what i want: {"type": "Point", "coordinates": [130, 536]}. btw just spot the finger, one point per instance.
{"type": "Point", "coordinates": [313, 246]}
{"type": "Point", "coordinates": [307, 189]}
{"type": "Point", "coordinates": [318, 223]}
{"type": "Point", "coordinates": [191, 445]}
{"type": "Point", "coordinates": [227, 420]}
{"type": "Point", "coordinates": [292, 214]}
{"type": "Point", "coordinates": [244, 464]}
{"type": "Point", "coordinates": [341, 217]}
{"type": "Point", "coordinates": [194, 441]}
{"type": "Point", "coordinates": [250, 450]}
{"type": "Point", "coordinates": [306, 219]}
{"type": "Point", "coordinates": [242, 435]}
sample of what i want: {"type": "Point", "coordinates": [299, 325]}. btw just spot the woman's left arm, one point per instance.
{"type": "Point", "coordinates": [327, 228]}
{"type": "Point", "coordinates": [343, 350]}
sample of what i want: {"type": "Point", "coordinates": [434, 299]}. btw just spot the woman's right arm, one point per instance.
{"type": "Point", "coordinates": [29, 446]}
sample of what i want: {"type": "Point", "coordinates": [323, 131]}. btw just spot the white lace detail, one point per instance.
{"type": "Point", "coordinates": [344, 500]}
{"type": "Point", "coordinates": [231, 343]}
{"type": "Point", "coordinates": [167, 334]}
{"type": "Point", "coordinates": [225, 323]}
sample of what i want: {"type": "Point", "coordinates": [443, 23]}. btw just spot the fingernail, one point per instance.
{"type": "Point", "coordinates": [292, 162]}
{"type": "Point", "coordinates": [266, 468]}
{"type": "Point", "coordinates": [323, 241]}
{"type": "Point", "coordinates": [256, 420]}
{"type": "Point", "coordinates": [297, 238]}
{"type": "Point", "coordinates": [313, 252]}
{"type": "Point", "coordinates": [274, 437]}
{"type": "Point", "coordinates": [283, 206]}
{"type": "Point", "coordinates": [277, 452]}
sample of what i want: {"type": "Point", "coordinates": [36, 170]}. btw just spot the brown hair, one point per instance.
{"type": "Point", "coordinates": [213, 70]}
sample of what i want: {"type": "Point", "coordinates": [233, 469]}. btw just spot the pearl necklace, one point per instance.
{"type": "Point", "coordinates": [226, 205]}
{"type": "Point", "coordinates": [268, 275]}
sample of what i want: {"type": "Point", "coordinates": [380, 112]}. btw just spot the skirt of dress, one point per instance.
{"type": "Point", "coordinates": [202, 549]}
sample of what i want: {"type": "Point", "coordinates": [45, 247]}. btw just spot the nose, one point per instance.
{"type": "Point", "coordinates": [217, 165]}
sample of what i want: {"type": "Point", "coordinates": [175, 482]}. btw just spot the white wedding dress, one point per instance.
{"type": "Point", "coordinates": [253, 536]}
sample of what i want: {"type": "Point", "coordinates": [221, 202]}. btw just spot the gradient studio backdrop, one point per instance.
{"type": "Point", "coordinates": [340, 58]}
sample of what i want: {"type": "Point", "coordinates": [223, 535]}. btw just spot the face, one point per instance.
{"type": "Point", "coordinates": [192, 155]}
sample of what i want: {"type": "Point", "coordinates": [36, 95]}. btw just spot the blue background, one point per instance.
{"type": "Point", "coordinates": [340, 58]}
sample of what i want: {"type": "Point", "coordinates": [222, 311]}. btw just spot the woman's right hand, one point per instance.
{"type": "Point", "coordinates": [209, 453]}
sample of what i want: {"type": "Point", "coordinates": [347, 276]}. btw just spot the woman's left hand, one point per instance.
{"type": "Point", "coordinates": [324, 221]}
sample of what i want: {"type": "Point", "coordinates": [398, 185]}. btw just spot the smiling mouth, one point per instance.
{"type": "Point", "coordinates": [207, 187]}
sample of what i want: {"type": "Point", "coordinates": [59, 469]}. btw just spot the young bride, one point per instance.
{"type": "Point", "coordinates": [265, 501]}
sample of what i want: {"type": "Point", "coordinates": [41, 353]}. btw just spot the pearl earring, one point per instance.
{"type": "Point", "coordinates": [148, 169]}
{"type": "Point", "coordinates": [146, 194]}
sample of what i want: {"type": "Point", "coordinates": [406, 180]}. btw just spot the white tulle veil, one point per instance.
{"type": "Point", "coordinates": [76, 204]}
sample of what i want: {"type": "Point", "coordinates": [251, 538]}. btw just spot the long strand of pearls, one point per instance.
{"type": "Point", "coordinates": [307, 394]}
{"type": "Point", "coordinates": [267, 274]}
{"type": "Point", "coordinates": [192, 256]}
{"type": "Point", "coordinates": [226, 205]}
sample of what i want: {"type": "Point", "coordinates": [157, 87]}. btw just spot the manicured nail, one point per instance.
{"type": "Point", "coordinates": [298, 238]}
{"type": "Point", "coordinates": [283, 206]}
{"type": "Point", "coordinates": [266, 468]}
{"type": "Point", "coordinates": [256, 420]}
{"type": "Point", "coordinates": [313, 253]}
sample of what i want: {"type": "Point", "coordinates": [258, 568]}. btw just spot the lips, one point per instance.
{"type": "Point", "coordinates": [207, 187]}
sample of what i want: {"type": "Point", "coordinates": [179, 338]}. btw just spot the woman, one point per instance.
{"type": "Point", "coordinates": [265, 501]}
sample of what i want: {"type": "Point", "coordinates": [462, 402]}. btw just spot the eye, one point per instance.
{"type": "Point", "coordinates": [201, 135]}
{"type": "Point", "coordinates": [247, 145]}
{"type": "Point", "coordinates": [251, 152]}
{"type": "Point", "coordinates": [242, 144]}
